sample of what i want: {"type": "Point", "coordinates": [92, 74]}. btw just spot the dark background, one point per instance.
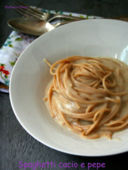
{"type": "Point", "coordinates": [15, 144]}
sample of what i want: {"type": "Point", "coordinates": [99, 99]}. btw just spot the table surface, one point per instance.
{"type": "Point", "coordinates": [15, 144]}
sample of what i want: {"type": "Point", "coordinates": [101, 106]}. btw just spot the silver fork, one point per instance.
{"type": "Point", "coordinates": [35, 13]}
{"type": "Point", "coordinates": [30, 11]}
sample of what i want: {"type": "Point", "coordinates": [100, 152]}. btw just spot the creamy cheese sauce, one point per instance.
{"type": "Point", "coordinates": [89, 95]}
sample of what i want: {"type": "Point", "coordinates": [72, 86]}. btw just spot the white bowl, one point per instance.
{"type": "Point", "coordinates": [30, 76]}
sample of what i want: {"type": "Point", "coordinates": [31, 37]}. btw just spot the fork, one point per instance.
{"type": "Point", "coordinates": [35, 13]}
{"type": "Point", "coordinates": [30, 11]}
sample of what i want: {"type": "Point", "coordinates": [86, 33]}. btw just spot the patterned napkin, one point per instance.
{"type": "Point", "coordinates": [14, 45]}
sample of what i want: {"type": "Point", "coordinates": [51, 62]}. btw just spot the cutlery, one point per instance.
{"type": "Point", "coordinates": [35, 13]}
{"type": "Point", "coordinates": [32, 26]}
{"type": "Point", "coordinates": [37, 27]}
{"type": "Point", "coordinates": [31, 12]}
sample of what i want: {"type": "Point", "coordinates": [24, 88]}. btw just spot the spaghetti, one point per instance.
{"type": "Point", "coordinates": [89, 95]}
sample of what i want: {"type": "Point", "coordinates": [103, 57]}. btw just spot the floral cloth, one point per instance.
{"type": "Point", "coordinates": [9, 53]}
{"type": "Point", "coordinates": [15, 44]}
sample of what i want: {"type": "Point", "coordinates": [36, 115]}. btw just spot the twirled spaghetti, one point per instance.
{"type": "Point", "coordinates": [89, 95]}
